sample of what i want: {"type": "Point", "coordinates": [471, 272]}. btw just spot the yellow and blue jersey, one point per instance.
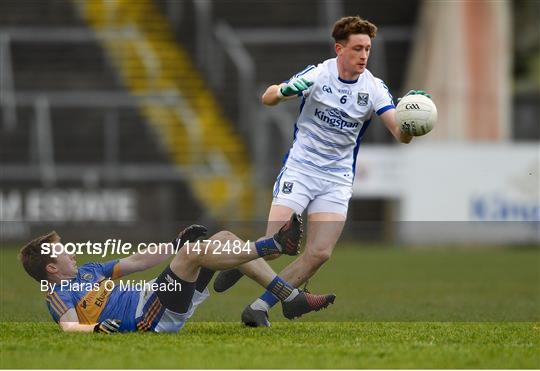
{"type": "Point", "coordinates": [93, 299]}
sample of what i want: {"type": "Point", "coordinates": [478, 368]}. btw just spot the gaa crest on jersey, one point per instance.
{"type": "Point", "coordinates": [287, 187]}
{"type": "Point", "coordinates": [87, 276]}
{"type": "Point", "coordinates": [362, 99]}
{"type": "Point", "coordinates": [327, 89]}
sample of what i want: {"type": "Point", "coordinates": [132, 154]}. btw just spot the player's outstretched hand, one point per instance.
{"type": "Point", "coordinates": [416, 92]}
{"type": "Point", "coordinates": [108, 326]}
{"type": "Point", "coordinates": [191, 234]}
{"type": "Point", "coordinates": [295, 86]}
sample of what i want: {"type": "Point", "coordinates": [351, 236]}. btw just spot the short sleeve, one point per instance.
{"type": "Point", "coordinates": [109, 269]}
{"type": "Point", "coordinates": [58, 303]}
{"type": "Point", "coordinates": [382, 100]}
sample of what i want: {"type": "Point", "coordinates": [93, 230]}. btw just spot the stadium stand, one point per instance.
{"type": "Point", "coordinates": [36, 13]}
{"type": "Point", "coordinates": [59, 67]}
{"type": "Point", "coordinates": [196, 135]}
{"type": "Point", "coordinates": [71, 61]}
{"type": "Point", "coordinates": [65, 63]}
{"type": "Point", "coordinates": [99, 141]}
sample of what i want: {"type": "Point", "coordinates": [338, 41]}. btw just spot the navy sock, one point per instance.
{"type": "Point", "coordinates": [205, 275]}
{"type": "Point", "coordinates": [279, 288]}
{"type": "Point", "coordinates": [176, 301]}
{"type": "Point", "coordinates": [267, 247]}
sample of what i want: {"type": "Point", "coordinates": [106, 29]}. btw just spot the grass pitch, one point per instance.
{"type": "Point", "coordinates": [285, 345]}
{"type": "Point", "coordinates": [394, 309]}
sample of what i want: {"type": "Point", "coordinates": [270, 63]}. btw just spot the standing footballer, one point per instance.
{"type": "Point", "coordinates": [339, 97]}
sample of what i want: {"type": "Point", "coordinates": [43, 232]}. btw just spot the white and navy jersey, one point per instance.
{"type": "Point", "coordinates": [334, 116]}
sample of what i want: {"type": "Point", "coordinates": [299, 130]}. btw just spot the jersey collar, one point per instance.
{"type": "Point", "coordinates": [347, 81]}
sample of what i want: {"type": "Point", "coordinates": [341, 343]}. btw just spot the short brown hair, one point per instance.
{"type": "Point", "coordinates": [33, 261]}
{"type": "Point", "coordinates": [347, 26]}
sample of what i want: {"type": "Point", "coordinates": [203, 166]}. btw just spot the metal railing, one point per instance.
{"type": "Point", "coordinates": [44, 141]}
{"type": "Point", "coordinates": [8, 35]}
{"type": "Point", "coordinates": [245, 66]}
{"type": "Point", "coordinates": [7, 99]}
{"type": "Point", "coordinates": [45, 169]}
{"type": "Point", "coordinates": [43, 101]}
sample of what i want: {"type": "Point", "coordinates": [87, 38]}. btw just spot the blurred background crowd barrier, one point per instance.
{"type": "Point", "coordinates": [137, 117]}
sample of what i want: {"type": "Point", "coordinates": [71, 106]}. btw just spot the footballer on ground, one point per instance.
{"type": "Point", "coordinates": [86, 299]}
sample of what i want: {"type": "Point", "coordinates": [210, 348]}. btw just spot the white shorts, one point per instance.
{"type": "Point", "coordinates": [167, 320]}
{"type": "Point", "coordinates": [298, 191]}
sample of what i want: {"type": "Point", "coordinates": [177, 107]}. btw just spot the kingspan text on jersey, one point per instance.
{"type": "Point", "coordinates": [335, 122]}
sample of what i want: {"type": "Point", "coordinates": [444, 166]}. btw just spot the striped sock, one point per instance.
{"type": "Point", "coordinates": [280, 289]}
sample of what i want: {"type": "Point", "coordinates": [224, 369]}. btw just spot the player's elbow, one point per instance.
{"type": "Point", "coordinates": [265, 99]}
{"type": "Point", "coordinates": [269, 97]}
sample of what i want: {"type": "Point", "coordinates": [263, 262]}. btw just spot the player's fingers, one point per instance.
{"type": "Point", "coordinates": [108, 329]}
{"type": "Point", "coordinates": [200, 228]}
{"type": "Point", "coordinates": [194, 229]}
{"type": "Point", "coordinates": [299, 85]}
{"type": "Point", "coordinates": [291, 88]}
{"type": "Point", "coordinates": [197, 231]}
{"type": "Point", "coordinates": [111, 326]}
{"type": "Point", "coordinates": [424, 93]}
{"type": "Point", "coordinates": [105, 328]}
{"type": "Point", "coordinates": [306, 82]}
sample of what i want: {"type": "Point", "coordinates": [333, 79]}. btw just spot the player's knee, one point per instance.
{"type": "Point", "coordinates": [187, 254]}
{"type": "Point", "coordinates": [225, 236]}
{"type": "Point", "coordinates": [318, 257]}
{"type": "Point", "coordinates": [177, 262]}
